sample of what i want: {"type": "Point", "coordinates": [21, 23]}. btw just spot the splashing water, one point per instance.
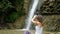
{"type": "Point", "coordinates": [31, 13]}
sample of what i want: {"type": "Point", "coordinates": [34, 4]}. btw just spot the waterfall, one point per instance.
{"type": "Point", "coordinates": [31, 13]}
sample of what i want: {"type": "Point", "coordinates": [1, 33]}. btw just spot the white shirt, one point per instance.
{"type": "Point", "coordinates": [38, 30]}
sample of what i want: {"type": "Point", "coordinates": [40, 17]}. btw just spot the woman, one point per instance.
{"type": "Point", "coordinates": [37, 20]}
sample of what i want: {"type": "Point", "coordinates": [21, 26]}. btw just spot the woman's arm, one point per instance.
{"type": "Point", "coordinates": [34, 20]}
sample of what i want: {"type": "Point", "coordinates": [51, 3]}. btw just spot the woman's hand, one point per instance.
{"type": "Point", "coordinates": [33, 21]}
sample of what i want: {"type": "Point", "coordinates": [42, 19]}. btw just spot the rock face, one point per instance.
{"type": "Point", "coordinates": [50, 6]}
{"type": "Point", "coordinates": [26, 5]}
{"type": "Point", "coordinates": [50, 10]}
{"type": "Point", "coordinates": [51, 22]}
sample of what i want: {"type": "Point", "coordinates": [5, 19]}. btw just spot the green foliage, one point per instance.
{"type": "Point", "coordinates": [11, 9]}
{"type": "Point", "coordinates": [12, 17]}
{"type": "Point", "coordinates": [4, 4]}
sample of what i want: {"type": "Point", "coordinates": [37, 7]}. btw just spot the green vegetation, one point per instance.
{"type": "Point", "coordinates": [10, 10]}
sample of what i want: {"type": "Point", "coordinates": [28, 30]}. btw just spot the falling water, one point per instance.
{"type": "Point", "coordinates": [31, 13]}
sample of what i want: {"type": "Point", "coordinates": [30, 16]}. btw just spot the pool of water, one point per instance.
{"type": "Point", "coordinates": [17, 31]}
{"type": "Point", "coordinates": [20, 31]}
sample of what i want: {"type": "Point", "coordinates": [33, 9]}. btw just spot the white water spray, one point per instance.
{"type": "Point", "coordinates": [31, 13]}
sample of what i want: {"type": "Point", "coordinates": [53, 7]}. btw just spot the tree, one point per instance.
{"type": "Point", "coordinates": [10, 10]}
